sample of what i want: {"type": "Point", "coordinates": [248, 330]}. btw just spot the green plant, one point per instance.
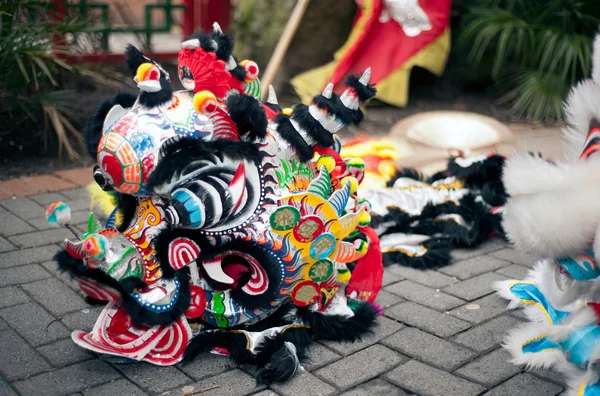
{"type": "Point", "coordinates": [537, 48]}
{"type": "Point", "coordinates": [34, 99]}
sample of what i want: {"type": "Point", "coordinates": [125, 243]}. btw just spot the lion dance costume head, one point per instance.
{"type": "Point", "coordinates": [237, 228]}
{"type": "Point", "coordinates": [553, 212]}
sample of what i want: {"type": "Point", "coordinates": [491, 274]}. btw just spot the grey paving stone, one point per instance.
{"type": "Point", "coordinates": [115, 388]}
{"type": "Point", "coordinates": [25, 208]}
{"type": "Point", "coordinates": [514, 271]}
{"type": "Point", "coordinates": [68, 379]}
{"type": "Point", "coordinates": [474, 288]}
{"type": "Point", "coordinates": [47, 198]}
{"type": "Point", "coordinates": [207, 365]}
{"type": "Point", "coordinates": [488, 335]}
{"type": "Point", "coordinates": [52, 267]}
{"type": "Point", "coordinates": [350, 371]}
{"type": "Point", "coordinates": [3, 325]}
{"type": "Point", "coordinates": [516, 257]}
{"type": "Point", "coordinates": [386, 300]}
{"type": "Point", "coordinates": [154, 379]}
{"type": "Point", "coordinates": [425, 277]}
{"type": "Point", "coordinates": [6, 246]}
{"type": "Point", "coordinates": [79, 217]}
{"type": "Point", "coordinates": [12, 225]}
{"type": "Point", "coordinates": [474, 266]}
{"type": "Point", "coordinates": [428, 348]}
{"type": "Point", "coordinates": [319, 356]}
{"type": "Point", "coordinates": [55, 296]}
{"type": "Point", "coordinates": [389, 277]}
{"type": "Point", "coordinates": [22, 274]}
{"type": "Point", "coordinates": [304, 383]}
{"type": "Point", "coordinates": [384, 328]}
{"type": "Point", "coordinates": [6, 390]}
{"type": "Point", "coordinates": [525, 384]}
{"type": "Point", "coordinates": [486, 247]}
{"type": "Point", "coordinates": [12, 295]}
{"type": "Point", "coordinates": [234, 382]}
{"type": "Point", "coordinates": [550, 375]}
{"type": "Point", "coordinates": [76, 193]}
{"type": "Point", "coordinates": [428, 381]}
{"type": "Point", "coordinates": [376, 387]}
{"type": "Point", "coordinates": [34, 324]}
{"type": "Point", "coordinates": [82, 320]}
{"type": "Point", "coordinates": [27, 256]}
{"type": "Point", "coordinates": [489, 306]}
{"type": "Point", "coordinates": [18, 359]}
{"type": "Point", "coordinates": [432, 298]}
{"type": "Point", "coordinates": [490, 369]}
{"type": "Point", "coordinates": [440, 324]}
{"type": "Point", "coordinates": [39, 238]}
{"type": "Point", "coordinates": [64, 352]}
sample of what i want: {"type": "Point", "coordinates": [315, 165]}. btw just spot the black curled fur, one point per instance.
{"type": "Point", "coordinates": [139, 315]}
{"type": "Point", "coordinates": [314, 128]}
{"type": "Point", "coordinates": [224, 45]}
{"type": "Point", "coordinates": [179, 154]}
{"type": "Point", "coordinates": [341, 328]}
{"type": "Point", "coordinates": [93, 129]}
{"type": "Point", "coordinates": [287, 131]}
{"type": "Point", "coordinates": [364, 92]}
{"type": "Point", "coordinates": [153, 99]}
{"type": "Point", "coordinates": [275, 107]}
{"type": "Point", "coordinates": [248, 115]}
{"type": "Point", "coordinates": [487, 172]}
{"type": "Point", "coordinates": [437, 255]}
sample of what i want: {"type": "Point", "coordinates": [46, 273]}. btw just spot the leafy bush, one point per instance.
{"type": "Point", "coordinates": [36, 108]}
{"type": "Point", "coordinates": [533, 50]}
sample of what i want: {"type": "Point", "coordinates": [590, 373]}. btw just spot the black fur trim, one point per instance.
{"type": "Point", "coordinates": [153, 99]}
{"type": "Point", "coordinates": [225, 45]}
{"type": "Point", "coordinates": [127, 205]}
{"type": "Point", "coordinates": [364, 92]}
{"type": "Point", "coordinates": [275, 107]}
{"type": "Point", "coordinates": [139, 315]}
{"type": "Point", "coordinates": [437, 256]}
{"type": "Point", "coordinates": [334, 106]}
{"type": "Point", "coordinates": [283, 365]}
{"type": "Point", "coordinates": [248, 115]}
{"type": "Point", "coordinates": [287, 131]}
{"type": "Point", "coordinates": [236, 344]}
{"type": "Point", "coordinates": [134, 58]}
{"type": "Point", "coordinates": [341, 328]}
{"type": "Point", "coordinates": [93, 129]}
{"type": "Point", "coordinates": [178, 155]}
{"type": "Point", "coordinates": [486, 172]}
{"type": "Point", "coordinates": [313, 127]}
{"type": "Point", "coordinates": [406, 172]}
{"type": "Point", "coordinates": [206, 41]}
{"type": "Point", "coordinates": [239, 73]}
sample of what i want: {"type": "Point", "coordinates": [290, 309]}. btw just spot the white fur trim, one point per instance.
{"type": "Point", "coordinates": [596, 60]}
{"type": "Point", "coordinates": [520, 335]}
{"type": "Point", "coordinates": [525, 174]}
{"type": "Point", "coordinates": [580, 318]}
{"type": "Point", "coordinates": [583, 104]}
{"type": "Point", "coordinates": [553, 224]}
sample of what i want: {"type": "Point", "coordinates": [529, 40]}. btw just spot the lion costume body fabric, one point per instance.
{"type": "Point", "coordinates": [552, 212]}
{"type": "Point", "coordinates": [227, 236]}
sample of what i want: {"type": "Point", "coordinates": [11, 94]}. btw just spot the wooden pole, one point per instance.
{"type": "Point", "coordinates": [282, 45]}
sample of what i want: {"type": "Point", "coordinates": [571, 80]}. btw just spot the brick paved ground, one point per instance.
{"type": "Point", "coordinates": [427, 343]}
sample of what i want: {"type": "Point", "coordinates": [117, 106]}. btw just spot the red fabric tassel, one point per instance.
{"type": "Point", "coordinates": [367, 277]}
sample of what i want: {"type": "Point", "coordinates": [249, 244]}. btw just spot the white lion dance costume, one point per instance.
{"type": "Point", "coordinates": [553, 212]}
